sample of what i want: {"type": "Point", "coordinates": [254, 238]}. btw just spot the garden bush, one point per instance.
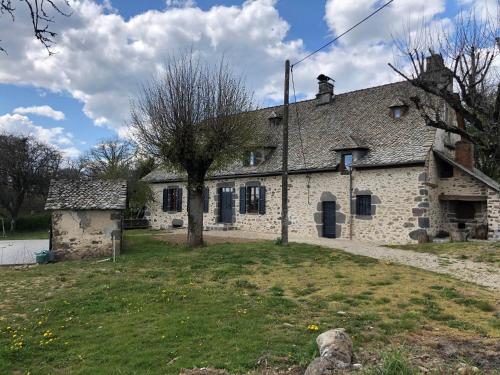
{"type": "Point", "coordinates": [33, 222]}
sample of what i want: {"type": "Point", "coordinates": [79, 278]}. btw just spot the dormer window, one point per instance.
{"type": "Point", "coordinates": [397, 112]}
{"type": "Point", "coordinates": [398, 109]}
{"type": "Point", "coordinates": [255, 158]}
{"type": "Point", "coordinates": [346, 163]}
{"type": "Point", "coordinates": [275, 119]}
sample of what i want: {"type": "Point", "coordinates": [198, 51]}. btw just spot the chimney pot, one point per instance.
{"type": "Point", "coordinates": [325, 89]}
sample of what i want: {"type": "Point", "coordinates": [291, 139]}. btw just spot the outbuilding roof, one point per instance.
{"type": "Point", "coordinates": [318, 133]}
{"type": "Point", "coordinates": [87, 195]}
{"type": "Point", "coordinates": [476, 173]}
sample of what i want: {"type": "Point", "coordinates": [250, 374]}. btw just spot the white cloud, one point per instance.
{"type": "Point", "coordinates": [43, 110]}
{"type": "Point", "coordinates": [400, 15]}
{"type": "Point", "coordinates": [180, 3]}
{"type": "Point", "coordinates": [20, 125]}
{"type": "Point", "coordinates": [102, 58]}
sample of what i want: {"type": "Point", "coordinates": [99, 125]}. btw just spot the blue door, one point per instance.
{"type": "Point", "coordinates": [226, 205]}
{"type": "Point", "coordinates": [329, 219]}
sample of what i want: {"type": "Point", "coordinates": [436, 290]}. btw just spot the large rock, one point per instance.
{"type": "Point", "coordinates": [335, 344]}
{"type": "Point", "coordinates": [335, 349]}
{"type": "Point", "coordinates": [320, 366]}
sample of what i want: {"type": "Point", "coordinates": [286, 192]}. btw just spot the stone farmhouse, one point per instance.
{"type": "Point", "coordinates": [363, 165]}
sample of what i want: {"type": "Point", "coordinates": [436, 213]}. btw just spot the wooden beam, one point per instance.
{"type": "Point", "coordinates": [468, 198]}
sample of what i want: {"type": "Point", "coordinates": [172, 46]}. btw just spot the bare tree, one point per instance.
{"type": "Point", "coordinates": [118, 159]}
{"type": "Point", "coordinates": [110, 158]}
{"type": "Point", "coordinates": [467, 52]}
{"type": "Point", "coordinates": [39, 15]}
{"type": "Point", "coordinates": [26, 167]}
{"type": "Point", "coordinates": [192, 118]}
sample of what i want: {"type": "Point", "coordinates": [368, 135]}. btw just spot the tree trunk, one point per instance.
{"type": "Point", "coordinates": [195, 214]}
{"type": "Point", "coordinates": [12, 224]}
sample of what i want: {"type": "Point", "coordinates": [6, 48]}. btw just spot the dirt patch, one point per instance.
{"type": "Point", "coordinates": [180, 239]}
{"type": "Point", "coordinates": [441, 348]}
{"type": "Point", "coordinates": [204, 371]}
{"type": "Point", "coordinates": [266, 371]}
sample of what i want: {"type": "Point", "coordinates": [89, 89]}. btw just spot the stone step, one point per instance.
{"type": "Point", "coordinates": [220, 227]}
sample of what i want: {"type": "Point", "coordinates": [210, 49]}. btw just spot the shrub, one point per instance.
{"type": "Point", "coordinates": [33, 222]}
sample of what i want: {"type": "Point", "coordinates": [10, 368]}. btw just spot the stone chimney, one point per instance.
{"type": "Point", "coordinates": [464, 154]}
{"type": "Point", "coordinates": [325, 92]}
{"type": "Point", "coordinates": [437, 72]}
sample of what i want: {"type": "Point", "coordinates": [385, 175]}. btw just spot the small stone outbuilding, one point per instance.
{"type": "Point", "coordinates": [86, 217]}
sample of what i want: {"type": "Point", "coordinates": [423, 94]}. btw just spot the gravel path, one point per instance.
{"type": "Point", "coordinates": [475, 272]}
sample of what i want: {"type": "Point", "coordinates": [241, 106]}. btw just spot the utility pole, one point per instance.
{"type": "Point", "coordinates": [284, 172]}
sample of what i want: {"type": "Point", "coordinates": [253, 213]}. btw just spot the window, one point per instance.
{"type": "Point", "coordinates": [252, 199]}
{"type": "Point", "coordinates": [364, 205]}
{"type": "Point", "coordinates": [172, 199]}
{"type": "Point", "coordinates": [445, 169]}
{"type": "Point", "coordinates": [274, 119]}
{"type": "Point", "coordinates": [255, 158]}
{"type": "Point", "coordinates": [396, 112]}
{"type": "Point", "coordinates": [346, 162]}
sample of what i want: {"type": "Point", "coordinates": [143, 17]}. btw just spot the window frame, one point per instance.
{"type": "Point", "coordinates": [172, 199]}
{"type": "Point", "coordinates": [364, 208]}
{"type": "Point", "coordinates": [344, 169]}
{"type": "Point", "coordinates": [252, 197]}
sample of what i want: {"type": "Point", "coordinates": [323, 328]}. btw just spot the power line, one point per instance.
{"type": "Point", "coordinates": [345, 32]}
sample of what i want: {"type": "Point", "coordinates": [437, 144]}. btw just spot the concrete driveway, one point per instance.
{"type": "Point", "coordinates": [21, 251]}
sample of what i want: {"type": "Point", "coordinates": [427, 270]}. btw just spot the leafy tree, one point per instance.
{"type": "Point", "coordinates": [191, 118]}
{"type": "Point", "coordinates": [468, 51]}
{"type": "Point", "coordinates": [26, 167]}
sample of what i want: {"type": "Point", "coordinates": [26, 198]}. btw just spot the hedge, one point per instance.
{"type": "Point", "coordinates": [33, 222]}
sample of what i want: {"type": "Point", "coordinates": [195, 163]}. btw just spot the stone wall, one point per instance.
{"type": "Point", "coordinates": [442, 212]}
{"type": "Point", "coordinates": [493, 215]}
{"type": "Point", "coordinates": [395, 195]}
{"type": "Point", "coordinates": [398, 198]}
{"type": "Point", "coordinates": [85, 234]}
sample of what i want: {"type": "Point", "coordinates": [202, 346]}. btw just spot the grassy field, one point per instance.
{"type": "Point", "coordinates": [36, 235]}
{"type": "Point", "coordinates": [477, 251]}
{"type": "Point", "coordinates": [163, 307]}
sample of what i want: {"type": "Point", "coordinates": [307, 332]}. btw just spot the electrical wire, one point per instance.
{"type": "Point", "coordinates": [295, 95]}
{"type": "Point", "coordinates": [345, 32]}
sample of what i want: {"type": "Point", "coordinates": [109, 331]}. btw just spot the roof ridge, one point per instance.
{"type": "Point", "coordinates": [335, 95]}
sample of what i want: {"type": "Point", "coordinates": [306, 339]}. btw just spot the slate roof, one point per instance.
{"type": "Point", "coordinates": [357, 119]}
{"type": "Point", "coordinates": [87, 195]}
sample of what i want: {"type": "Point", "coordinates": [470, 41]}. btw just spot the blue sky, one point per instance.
{"type": "Point", "coordinates": [106, 48]}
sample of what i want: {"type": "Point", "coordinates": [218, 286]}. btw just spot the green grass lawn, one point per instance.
{"type": "Point", "coordinates": [161, 308]}
{"type": "Point", "coordinates": [477, 251]}
{"type": "Point", "coordinates": [34, 235]}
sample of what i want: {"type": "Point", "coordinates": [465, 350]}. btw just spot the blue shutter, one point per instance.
{"type": "Point", "coordinates": [206, 197]}
{"type": "Point", "coordinates": [165, 200]}
{"type": "Point", "coordinates": [170, 203]}
{"type": "Point", "coordinates": [262, 200]}
{"type": "Point", "coordinates": [179, 200]}
{"type": "Point", "coordinates": [243, 202]}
